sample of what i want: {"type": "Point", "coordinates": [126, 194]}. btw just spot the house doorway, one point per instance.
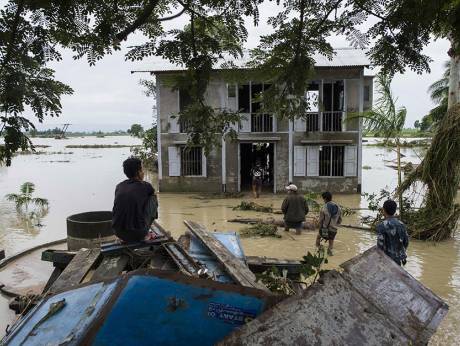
{"type": "Point", "coordinates": [250, 155]}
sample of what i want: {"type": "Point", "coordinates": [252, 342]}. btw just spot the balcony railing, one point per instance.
{"type": "Point", "coordinates": [312, 122]}
{"type": "Point", "coordinates": [332, 121]}
{"type": "Point", "coordinates": [261, 123]}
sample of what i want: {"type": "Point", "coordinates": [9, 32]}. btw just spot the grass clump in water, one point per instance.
{"type": "Point", "coordinates": [254, 207]}
{"type": "Point", "coordinates": [260, 230]}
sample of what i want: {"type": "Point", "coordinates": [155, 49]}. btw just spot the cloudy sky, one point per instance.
{"type": "Point", "coordinates": [108, 97]}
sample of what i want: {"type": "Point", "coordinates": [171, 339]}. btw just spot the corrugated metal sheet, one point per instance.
{"type": "Point", "coordinates": [343, 57]}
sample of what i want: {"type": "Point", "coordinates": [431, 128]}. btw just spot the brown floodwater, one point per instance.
{"type": "Point", "coordinates": [85, 180]}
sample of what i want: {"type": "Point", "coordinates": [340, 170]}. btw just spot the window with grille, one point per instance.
{"type": "Point", "coordinates": [191, 161]}
{"type": "Point", "coordinates": [331, 158]}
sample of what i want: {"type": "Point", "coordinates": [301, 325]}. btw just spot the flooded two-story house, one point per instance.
{"type": "Point", "coordinates": [321, 151]}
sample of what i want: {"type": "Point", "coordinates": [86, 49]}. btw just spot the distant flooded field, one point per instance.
{"type": "Point", "coordinates": [76, 179]}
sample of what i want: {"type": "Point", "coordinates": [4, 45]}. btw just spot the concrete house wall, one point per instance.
{"type": "Point", "coordinates": [221, 168]}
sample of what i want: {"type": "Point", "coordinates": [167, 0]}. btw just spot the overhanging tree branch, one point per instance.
{"type": "Point", "coordinates": [142, 19]}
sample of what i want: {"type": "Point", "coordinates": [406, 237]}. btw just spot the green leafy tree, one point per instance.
{"type": "Point", "coordinates": [285, 58]}
{"type": "Point", "coordinates": [136, 130]}
{"type": "Point", "coordinates": [24, 199]}
{"type": "Point", "coordinates": [387, 120]}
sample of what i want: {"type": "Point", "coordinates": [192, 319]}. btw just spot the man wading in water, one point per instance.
{"type": "Point", "coordinates": [330, 217]}
{"type": "Point", "coordinates": [135, 206]}
{"type": "Point", "coordinates": [294, 208]}
{"type": "Point", "coordinates": [392, 234]}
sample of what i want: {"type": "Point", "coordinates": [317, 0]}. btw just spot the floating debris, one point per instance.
{"type": "Point", "coordinates": [254, 207]}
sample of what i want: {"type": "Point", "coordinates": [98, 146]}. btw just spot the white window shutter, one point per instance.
{"type": "Point", "coordinates": [245, 122]}
{"type": "Point", "coordinates": [313, 161]}
{"type": "Point", "coordinates": [299, 160]}
{"type": "Point", "coordinates": [174, 161]}
{"type": "Point", "coordinates": [204, 171]}
{"type": "Point", "coordinates": [300, 125]}
{"type": "Point", "coordinates": [350, 161]}
{"type": "Point", "coordinates": [174, 124]}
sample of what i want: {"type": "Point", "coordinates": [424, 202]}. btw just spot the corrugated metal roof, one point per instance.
{"type": "Point", "coordinates": [343, 57]}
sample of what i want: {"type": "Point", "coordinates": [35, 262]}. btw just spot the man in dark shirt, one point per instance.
{"type": "Point", "coordinates": [294, 208]}
{"type": "Point", "coordinates": [392, 235]}
{"type": "Point", "coordinates": [135, 205]}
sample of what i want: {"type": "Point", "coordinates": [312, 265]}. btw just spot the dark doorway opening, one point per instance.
{"type": "Point", "coordinates": [250, 155]}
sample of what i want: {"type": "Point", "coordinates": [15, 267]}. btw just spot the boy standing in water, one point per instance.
{"type": "Point", "coordinates": [330, 216]}
{"type": "Point", "coordinates": [135, 205]}
{"type": "Point", "coordinates": [392, 234]}
{"type": "Point", "coordinates": [256, 173]}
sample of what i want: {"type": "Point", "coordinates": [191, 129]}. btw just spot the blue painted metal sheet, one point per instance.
{"type": "Point", "coordinates": [157, 311]}
{"type": "Point", "coordinates": [201, 253]}
{"type": "Point", "coordinates": [146, 307]}
{"type": "Point", "coordinates": [68, 324]}
{"type": "Point", "coordinates": [231, 240]}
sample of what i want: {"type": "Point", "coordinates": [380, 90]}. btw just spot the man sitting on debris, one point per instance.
{"type": "Point", "coordinates": [294, 208]}
{"type": "Point", "coordinates": [330, 216]}
{"type": "Point", "coordinates": [392, 234]}
{"type": "Point", "coordinates": [135, 206]}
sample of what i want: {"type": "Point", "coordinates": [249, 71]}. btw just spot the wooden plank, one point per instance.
{"type": "Point", "coordinates": [117, 248]}
{"type": "Point", "coordinates": [331, 313]}
{"type": "Point", "coordinates": [60, 258]}
{"type": "Point", "coordinates": [235, 267]}
{"type": "Point", "coordinates": [260, 264]}
{"type": "Point", "coordinates": [110, 266]}
{"type": "Point", "coordinates": [76, 270]}
{"type": "Point", "coordinates": [186, 264]}
{"type": "Point", "coordinates": [411, 306]}
{"type": "Point", "coordinates": [372, 302]}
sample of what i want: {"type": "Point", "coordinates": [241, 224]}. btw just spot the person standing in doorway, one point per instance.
{"type": "Point", "coordinates": [295, 209]}
{"type": "Point", "coordinates": [392, 235]}
{"type": "Point", "coordinates": [256, 173]}
{"type": "Point", "coordinates": [330, 216]}
{"type": "Point", "coordinates": [135, 205]}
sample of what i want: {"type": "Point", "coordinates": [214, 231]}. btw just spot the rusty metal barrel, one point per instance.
{"type": "Point", "coordinates": [89, 230]}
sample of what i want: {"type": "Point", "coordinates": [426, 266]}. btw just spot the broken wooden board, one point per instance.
{"type": "Point", "coordinates": [60, 258]}
{"type": "Point", "coordinates": [412, 306]}
{"type": "Point", "coordinates": [374, 302]}
{"type": "Point", "coordinates": [186, 264]}
{"type": "Point", "coordinates": [260, 264]}
{"type": "Point", "coordinates": [110, 266]}
{"type": "Point", "coordinates": [234, 267]}
{"type": "Point", "coordinates": [332, 313]}
{"type": "Point", "coordinates": [117, 248]}
{"type": "Point", "coordinates": [76, 270]}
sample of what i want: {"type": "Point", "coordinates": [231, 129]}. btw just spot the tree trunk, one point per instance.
{"type": "Point", "coordinates": [400, 195]}
{"type": "Point", "coordinates": [454, 77]}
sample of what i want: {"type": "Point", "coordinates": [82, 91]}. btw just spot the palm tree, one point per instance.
{"type": "Point", "coordinates": [24, 198]}
{"type": "Point", "coordinates": [387, 120]}
{"type": "Point", "coordinates": [439, 93]}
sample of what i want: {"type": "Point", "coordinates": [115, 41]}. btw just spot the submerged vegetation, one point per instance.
{"type": "Point", "coordinates": [28, 207]}
{"type": "Point", "coordinates": [244, 205]}
{"type": "Point", "coordinates": [260, 230]}
{"type": "Point", "coordinates": [315, 207]}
